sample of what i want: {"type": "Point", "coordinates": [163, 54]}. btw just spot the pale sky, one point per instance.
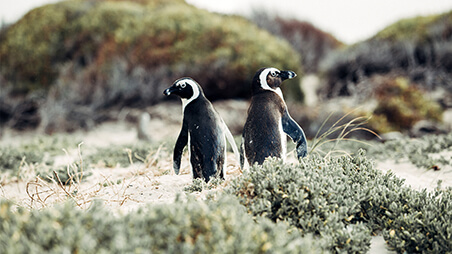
{"type": "Point", "coordinates": [348, 20]}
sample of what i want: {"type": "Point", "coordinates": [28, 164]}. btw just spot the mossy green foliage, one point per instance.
{"type": "Point", "coordinates": [343, 199]}
{"type": "Point", "coordinates": [192, 226]}
{"type": "Point", "coordinates": [422, 28]}
{"type": "Point", "coordinates": [421, 224]}
{"type": "Point", "coordinates": [91, 35]}
{"type": "Point", "coordinates": [400, 105]}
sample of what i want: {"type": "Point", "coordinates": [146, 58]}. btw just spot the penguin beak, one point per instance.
{"type": "Point", "coordinates": [287, 75]}
{"type": "Point", "coordinates": [169, 91]}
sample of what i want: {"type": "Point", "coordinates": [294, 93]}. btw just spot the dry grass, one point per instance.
{"type": "Point", "coordinates": [150, 180]}
{"type": "Point", "coordinates": [111, 186]}
{"type": "Point", "coordinates": [343, 131]}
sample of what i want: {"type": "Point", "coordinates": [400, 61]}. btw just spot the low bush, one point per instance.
{"type": "Point", "coordinates": [199, 185]}
{"type": "Point", "coordinates": [428, 152]}
{"type": "Point", "coordinates": [419, 222]}
{"type": "Point", "coordinates": [400, 104]}
{"type": "Point", "coordinates": [32, 158]}
{"type": "Point", "coordinates": [343, 199]}
{"type": "Point", "coordinates": [12, 157]}
{"type": "Point", "coordinates": [192, 226]}
{"type": "Point", "coordinates": [23, 163]}
{"type": "Point", "coordinates": [425, 152]}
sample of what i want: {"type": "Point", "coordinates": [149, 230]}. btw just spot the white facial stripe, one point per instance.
{"type": "Point", "coordinates": [195, 89]}
{"type": "Point", "coordinates": [265, 86]}
{"type": "Point", "coordinates": [263, 78]}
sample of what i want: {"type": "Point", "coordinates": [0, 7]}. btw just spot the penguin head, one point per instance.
{"type": "Point", "coordinates": [270, 79]}
{"type": "Point", "coordinates": [186, 88]}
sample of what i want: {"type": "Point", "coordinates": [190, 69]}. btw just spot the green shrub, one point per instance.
{"type": "Point", "coordinates": [426, 152]}
{"type": "Point", "coordinates": [199, 184]}
{"type": "Point", "coordinates": [423, 152]}
{"type": "Point", "coordinates": [400, 105]}
{"type": "Point", "coordinates": [316, 197]}
{"type": "Point", "coordinates": [193, 226]}
{"type": "Point", "coordinates": [422, 224]}
{"type": "Point", "coordinates": [343, 199]}
{"type": "Point", "coordinates": [18, 163]}
{"type": "Point", "coordinates": [12, 157]}
{"type": "Point", "coordinates": [33, 157]}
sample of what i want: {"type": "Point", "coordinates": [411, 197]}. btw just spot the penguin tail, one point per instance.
{"type": "Point", "coordinates": [231, 141]}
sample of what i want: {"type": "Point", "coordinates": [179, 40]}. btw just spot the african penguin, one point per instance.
{"type": "Point", "coordinates": [203, 130]}
{"type": "Point", "coordinates": [268, 121]}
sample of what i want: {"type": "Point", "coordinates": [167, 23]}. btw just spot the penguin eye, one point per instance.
{"type": "Point", "coordinates": [182, 85]}
{"type": "Point", "coordinates": [273, 74]}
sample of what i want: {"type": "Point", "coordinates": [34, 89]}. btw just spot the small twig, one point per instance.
{"type": "Point", "coordinates": [68, 172]}
{"type": "Point", "coordinates": [36, 193]}
{"type": "Point", "coordinates": [154, 158]}
{"type": "Point", "coordinates": [1, 187]}
{"type": "Point", "coordinates": [123, 201]}
{"type": "Point", "coordinates": [64, 189]}
{"type": "Point", "coordinates": [81, 162]}
{"type": "Point", "coordinates": [129, 155]}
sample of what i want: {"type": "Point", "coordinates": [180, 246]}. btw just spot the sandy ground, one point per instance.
{"type": "Point", "coordinates": [137, 185]}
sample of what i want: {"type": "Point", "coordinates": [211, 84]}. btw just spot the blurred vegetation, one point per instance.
{"type": "Point", "coordinates": [92, 35]}
{"type": "Point", "coordinates": [122, 155]}
{"type": "Point", "coordinates": [418, 48]}
{"type": "Point", "coordinates": [92, 56]}
{"type": "Point", "coordinates": [405, 69]}
{"type": "Point", "coordinates": [76, 63]}
{"type": "Point", "coordinates": [36, 157]}
{"type": "Point", "coordinates": [400, 105]}
{"type": "Point", "coordinates": [188, 226]}
{"type": "Point", "coordinates": [312, 43]}
{"type": "Point", "coordinates": [422, 28]}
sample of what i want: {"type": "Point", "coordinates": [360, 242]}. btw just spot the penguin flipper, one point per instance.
{"type": "Point", "coordinates": [231, 140]}
{"type": "Point", "coordinates": [181, 142]}
{"type": "Point", "coordinates": [242, 154]}
{"type": "Point", "coordinates": [296, 133]}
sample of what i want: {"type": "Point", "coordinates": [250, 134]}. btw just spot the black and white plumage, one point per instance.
{"type": "Point", "coordinates": [269, 121]}
{"type": "Point", "coordinates": [203, 130]}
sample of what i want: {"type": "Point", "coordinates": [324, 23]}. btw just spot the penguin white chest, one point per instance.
{"type": "Point", "coordinates": [283, 140]}
{"type": "Point", "coordinates": [189, 146]}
